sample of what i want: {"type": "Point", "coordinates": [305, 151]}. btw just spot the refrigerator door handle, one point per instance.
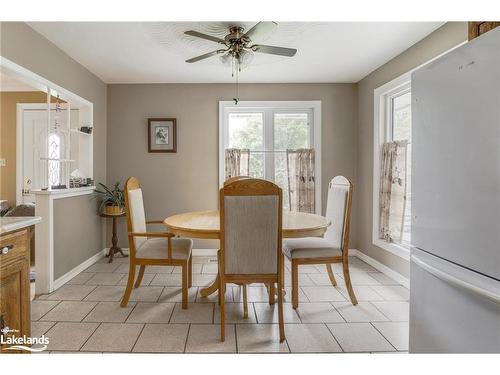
{"type": "Point", "coordinates": [454, 280]}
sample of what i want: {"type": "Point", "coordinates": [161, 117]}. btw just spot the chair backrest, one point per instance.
{"type": "Point", "coordinates": [251, 225]}
{"type": "Point", "coordinates": [235, 178]}
{"type": "Point", "coordinates": [134, 208]}
{"type": "Point", "coordinates": [338, 211]}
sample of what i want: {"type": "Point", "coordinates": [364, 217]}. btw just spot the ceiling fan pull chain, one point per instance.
{"type": "Point", "coordinates": [237, 98]}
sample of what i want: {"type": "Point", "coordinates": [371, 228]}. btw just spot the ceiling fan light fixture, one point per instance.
{"type": "Point", "coordinates": [240, 46]}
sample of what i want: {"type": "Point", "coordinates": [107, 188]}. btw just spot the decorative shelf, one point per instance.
{"type": "Point", "coordinates": [59, 160]}
{"type": "Point", "coordinates": [80, 132]}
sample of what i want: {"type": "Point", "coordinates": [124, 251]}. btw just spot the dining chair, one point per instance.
{"type": "Point", "coordinates": [251, 239]}
{"type": "Point", "coordinates": [152, 248]}
{"type": "Point", "coordinates": [333, 247]}
{"type": "Point", "coordinates": [270, 286]}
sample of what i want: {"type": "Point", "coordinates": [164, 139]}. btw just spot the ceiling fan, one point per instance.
{"type": "Point", "coordinates": [238, 44]}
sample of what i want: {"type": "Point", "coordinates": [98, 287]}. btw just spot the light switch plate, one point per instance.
{"type": "Point", "coordinates": [2, 162]}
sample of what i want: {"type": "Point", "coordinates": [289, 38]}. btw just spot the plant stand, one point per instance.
{"type": "Point", "coordinates": [114, 240]}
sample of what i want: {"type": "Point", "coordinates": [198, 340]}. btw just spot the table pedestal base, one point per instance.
{"type": "Point", "coordinates": [112, 251]}
{"type": "Point", "coordinates": [114, 241]}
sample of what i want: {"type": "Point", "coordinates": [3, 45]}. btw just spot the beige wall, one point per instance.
{"type": "Point", "coordinates": [22, 45]}
{"type": "Point", "coordinates": [72, 244]}
{"type": "Point", "coordinates": [446, 37]}
{"type": "Point", "coordinates": [8, 101]}
{"type": "Point", "coordinates": [188, 180]}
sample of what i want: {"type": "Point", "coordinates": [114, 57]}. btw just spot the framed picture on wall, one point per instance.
{"type": "Point", "coordinates": [162, 135]}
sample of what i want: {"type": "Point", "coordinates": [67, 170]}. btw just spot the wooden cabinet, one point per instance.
{"type": "Point", "coordinates": [478, 28]}
{"type": "Point", "coordinates": [15, 283]}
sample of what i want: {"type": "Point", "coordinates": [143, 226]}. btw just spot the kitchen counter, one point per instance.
{"type": "Point", "coordinates": [12, 223]}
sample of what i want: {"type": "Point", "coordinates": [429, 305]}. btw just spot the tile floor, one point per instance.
{"type": "Point", "coordinates": [84, 315]}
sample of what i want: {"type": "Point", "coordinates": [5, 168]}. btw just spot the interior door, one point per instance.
{"type": "Point", "coordinates": [34, 146]}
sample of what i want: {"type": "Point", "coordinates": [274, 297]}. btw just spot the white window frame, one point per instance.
{"type": "Point", "coordinates": [313, 107]}
{"type": "Point", "coordinates": [382, 129]}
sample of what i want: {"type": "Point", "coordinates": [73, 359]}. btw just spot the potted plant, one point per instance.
{"type": "Point", "coordinates": [112, 199]}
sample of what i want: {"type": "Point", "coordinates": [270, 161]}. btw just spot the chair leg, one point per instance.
{"type": "Point", "coordinates": [219, 295]}
{"type": "Point", "coordinates": [280, 312]}
{"type": "Point", "coordinates": [272, 293]}
{"type": "Point", "coordinates": [222, 291]}
{"type": "Point", "coordinates": [347, 278]}
{"type": "Point", "coordinates": [185, 285]}
{"type": "Point", "coordinates": [139, 277]}
{"type": "Point", "coordinates": [295, 284]}
{"type": "Point", "coordinates": [245, 301]}
{"type": "Point", "coordinates": [330, 274]}
{"type": "Point", "coordinates": [130, 284]}
{"type": "Point", "coordinates": [190, 272]}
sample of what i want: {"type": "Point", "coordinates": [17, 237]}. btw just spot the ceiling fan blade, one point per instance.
{"type": "Point", "coordinates": [282, 51]}
{"type": "Point", "coordinates": [204, 36]}
{"type": "Point", "coordinates": [260, 29]}
{"type": "Point", "coordinates": [206, 55]}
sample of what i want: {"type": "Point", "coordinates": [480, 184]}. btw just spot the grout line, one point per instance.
{"type": "Point", "coordinates": [137, 339]}
{"type": "Point", "coordinates": [187, 338]}
{"type": "Point", "coordinates": [301, 290]}
{"type": "Point", "coordinates": [159, 295]}
{"type": "Point", "coordinates": [88, 338]}
{"type": "Point", "coordinates": [130, 313]}
{"type": "Point", "coordinates": [95, 287]}
{"type": "Point", "coordinates": [255, 312]}
{"type": "Point", "coordinates": [380, 311]}
{"type": "Point", "coordinates": [172, 313]}
{"type": "Point", "coordinates": [338, 312]}
{"type": "Point", "coordinates": [48, 329]}
{"type": "Point", "coordinates": [52, 308]}
{"type": "Point", "coordinates": [337, 341]}
{"type": "Point", "coordinates": [92, 309]}
{"type": "Point", "coordinates": [236, 339]}
{"type": "Point", "coordinates": [386, 339]}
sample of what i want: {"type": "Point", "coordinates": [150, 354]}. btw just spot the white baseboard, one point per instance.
{"type": "Point", "coordinates": [381, 267]}
{"type": "Point", "coordinates": [81, 267]}
{"type": "Point", "coordinates": [196, 252]}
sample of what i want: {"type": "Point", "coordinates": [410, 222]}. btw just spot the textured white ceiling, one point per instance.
{"type": "Point", "coordinates": [137, 52]}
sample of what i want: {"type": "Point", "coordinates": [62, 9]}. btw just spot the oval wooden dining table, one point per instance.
{"type": "Point", "coordinates": [206, 225]}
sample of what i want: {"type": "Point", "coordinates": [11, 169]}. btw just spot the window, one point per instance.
{"type": "Point", "coordinates": [246, 130]}
{"type": "Point", "coordinates": [392, 122]}
{"type": "Point", "coordinates": [54, 155]}
{"type": "Point", "coordinates": [400, 130]}
{"type": "Point", "coordinates": [268, 129]}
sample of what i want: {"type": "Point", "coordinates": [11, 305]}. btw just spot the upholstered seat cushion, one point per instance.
{"type": "Point", "coordinates": [309, 247]}
{"type": "Point", "coordinates": [156, 248]}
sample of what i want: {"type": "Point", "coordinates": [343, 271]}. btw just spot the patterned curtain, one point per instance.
{"type": "Point", "coordinates": [300, 167]}
{"type": "Point", "coordinates": [237, 162]}
{"type": "Point", "coordinates": [392, 190]}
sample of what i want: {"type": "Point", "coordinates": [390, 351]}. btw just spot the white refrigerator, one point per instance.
{"type": "Point", "coordinates": [455, 257]}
